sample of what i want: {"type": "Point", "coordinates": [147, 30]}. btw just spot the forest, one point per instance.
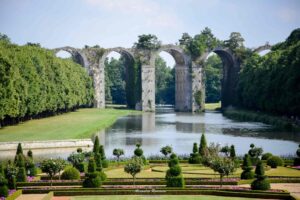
{"type": "Point", "coordinates": [34, 83]}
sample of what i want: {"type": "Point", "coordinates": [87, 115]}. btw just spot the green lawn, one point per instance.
{"type": "Point", "coordinates": [160, 197]}
{"type": "Point", "coordinates": [212, 106]}
{"type": "Point", "coordinates": [73, 125]}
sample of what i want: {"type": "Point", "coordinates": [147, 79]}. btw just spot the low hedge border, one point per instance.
{"type": "Point", "coordinates": [271, 180]}
{"type": "Point", "coordinates": [165, 161]}
{"type": "Point", "coordinates": [249, 194]}
{"type": "Point", "coordinates": [28, 184]}
{"type": "Point", "coordinates": [14, 195]}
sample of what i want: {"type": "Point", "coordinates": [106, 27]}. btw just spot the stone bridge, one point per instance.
{"type": "Point", "coordinates": [189, 74]}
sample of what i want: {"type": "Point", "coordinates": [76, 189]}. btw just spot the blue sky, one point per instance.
{"type": "Point", "coordinates": [111, 23]}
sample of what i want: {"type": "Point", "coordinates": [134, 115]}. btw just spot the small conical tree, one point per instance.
{"type": "Point", "coordinates": [98, 161]}
{"type": "Point", "coordinates": [20, 162]}
{"type": "Point", "coordinates": [232, 152]}
{"type": "Point", "coordinates": [203, 145]}
{"type": "Point", "coordinates": [261, 182]}
{"type": "Point", "coordinates": [30, 154]}
{"type": "Point", "coordinates": [91, 165]}
{"type": "Point", "coordinates": [195, 148]}
{"type": "Point", "coordinates": [247, 168]}
{"type": "Point", "coordinates": [195, 158]}
{"type": "Point", "coordinates": [19, 149]}
{"type": "Point", "coordinates": [103, 157]}
{"type": "Point", "coordinates": [96, 147]}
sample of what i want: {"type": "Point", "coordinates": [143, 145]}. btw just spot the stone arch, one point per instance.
{"type": "Point", "coordinates": [78, 56]}
{"type": "Point", "coordinates": [231, 68]}
{"type": "Point", "coordinates": [183, 93]}
{"type": "Point", "coordinates": [264, 47]}
{"type": "Point", "coordinates": [99, 73]}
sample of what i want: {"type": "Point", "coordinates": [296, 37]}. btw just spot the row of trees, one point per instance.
{"type": "Point", "coordinates": [272, 82]}
{"type": "Point", "coordinates": [35, 83]}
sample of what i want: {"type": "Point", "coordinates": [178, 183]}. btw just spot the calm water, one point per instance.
{"type": "Point", "coordinates": [181, 130]}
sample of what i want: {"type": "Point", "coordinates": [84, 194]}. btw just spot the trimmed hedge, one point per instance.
{"type": "Point", "coordinates": [274, 161]}
{"type": "Point", "coordinates": [14, 195]}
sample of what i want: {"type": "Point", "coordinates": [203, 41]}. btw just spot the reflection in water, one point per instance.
{"type": "Point", "coordinates": [181, 130]}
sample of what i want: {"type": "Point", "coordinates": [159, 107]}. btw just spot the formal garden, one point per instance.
{"type": "Point", "coordinates": [209, 170]}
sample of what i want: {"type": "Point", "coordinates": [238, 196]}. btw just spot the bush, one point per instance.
{"type": "Point", "coordinates": [92, 180]}
{"type": "Point", "coordinates": [21, 175]}
{"type": "Point", "coordinates": [247, 175]}
{"type": "Point", "coordinates": [297, 162]}
{"type": "Point", "coordinates": [3, 191]}
{"type": "Point", "coordinates": [70, 173]}
{"type": "Point", "coordinates": [175, 181]}
{"type": "Point", "coordinates": [266, 156]}
{"type": "Point", "coordinates": [105, 163]}
{"type": "Point", "coordinates": [173, 162]}
{"type": "Point", "coordinates": [175, 170]}
{"type": "Point", "coordinates": [274, 161]}
{"type": "Point", "coordinates": [195, 158]}
{"type": "Point", "coordinates": [12, 182]}
{"type": "Point", "coordinates": [80, 167]}
{"type": "Point", "coordinates": [260, 184]}
{"type": "Point", "coordinates": [102, 176]}
{"type": "Point", "coordinates": [138, 152]}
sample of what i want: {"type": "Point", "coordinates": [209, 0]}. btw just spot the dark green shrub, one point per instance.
{"type": "Point", "coordinates": [3, 191]}
{"type": "Point", "coordinates": [102, 176]}
{"type": "Point", "coordinates": [92, 180]}
{"type": "Point", "coordinates": [232, 152]}
{"type": "Point", "coordinates": [297, 160]}
{"type": "Point", "coordinates": [30, 167]}
{"type": "Point", "coordinates": [298, 151]}
{"type": "Point", "coordinates": [30, 154]}
{"type": "Point", "coordinates": [80, 167]}
{"type": "Point", "coordinates": [91, 165]}
{"type": "Point", "coordinates": [21, 175]}
{"type": "Point", "coordinates": [79, 150]}
{"type": "Point", "coordinates": [70, 173]}
{"type": "Point", "coordinates": [247, 168]}
{"type": "Point", "coordinates": [266, 156]}
{"type": "Point", "coordinates": [20, 160]}
{"type": "Point", "coordinates": [261, 182]}
{"type": "Point", "coordinates": [175, 170]}
{"type": "Point", "coordinates": [203, 145]}
{"type": "Point", "coordinates": [176, 181]}
{"type": "Point", "coordinates": [138, 152]}
{"type": "Point", "coordinates": [195, 158]}
{"type": "Point", "coordinates": [96, 147]}
{"type": "Point", "coordinates": [98, 161]}
{"type": "Point", "coordinates": [12, 182]}
{"type": "Point", "coordinates": [105, 163]}
{"type": "Point", "coordinates": [274, 161]}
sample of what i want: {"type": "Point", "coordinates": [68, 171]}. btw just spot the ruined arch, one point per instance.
{"type": "Point", "coordinates": [99, 74]}
{"type": "Point", "coordinates": [78, 56]}
{"type": "Point", "coordinates": [183, 88]}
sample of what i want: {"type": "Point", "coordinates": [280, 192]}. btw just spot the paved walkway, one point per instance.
{"type": "Point", "coordinates": [31, 197]}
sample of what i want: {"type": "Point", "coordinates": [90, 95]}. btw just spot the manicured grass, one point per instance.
{"type": "Point", "coordinates": [212, 106]}
{"type": "Point", "coordinates": [283, 171]}
{"type": "Point", "coordinates": [74, 125]}
{"type": "Point", "coordinates": [160, 197]}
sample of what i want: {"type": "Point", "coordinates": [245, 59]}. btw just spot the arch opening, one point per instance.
{"type": "Point", "coordinates": [118, 87]}
{"type": "Point", "coordinates": [66, 53]}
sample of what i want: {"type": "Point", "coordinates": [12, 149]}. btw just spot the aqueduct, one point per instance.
{"type": "Point", "coordinates": [189, 74]}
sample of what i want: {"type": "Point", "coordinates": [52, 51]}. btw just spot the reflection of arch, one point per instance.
{"type": "Point", "coordinates": [100, 83]}
{"type": "Point", "coordinates": [182, 75]}
{"type": "Point", "coordinates": [77, 56]}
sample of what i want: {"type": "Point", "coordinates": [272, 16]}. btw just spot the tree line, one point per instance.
{"type": "Point", "coordinates": [35, 83]}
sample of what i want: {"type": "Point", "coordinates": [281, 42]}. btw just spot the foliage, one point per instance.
{"type": "Point", "coordinates": [297, 159]}
{"type": "Point", "coordinates": [166, 150]}
{"type": "Point", "coordinates": [235, 41]}
{"type": "Point", "coordinates": [91, 165]}
{"type": "Point", "coordinates": [232, 153]}
{"type": "Point", "coordinates": [92, 180]}
{"type": "Point", "coordinates": [198, 98]}
{"type": "Point", "coordinates": [103, 157]}
{"type": "Point", "coordinates": [225, 150]}
{"type": "Point", "coordinates": [213, 75]}
{"type": "Point", "coordinates": [133, 167]}
{"type": "Point", "coordinates": [70, 173]}
{"type": "Point", "coordinates": [138, 151]}
{"type": "Point", "coordinates": [96, 147]}
{"type": "Point", "coordinates": [261, 182]}
{"type": "Point", "coordinates": [77, 161]}
{"type": "Point", "coordinates": [275, 161]}
{"type": "Point", "coordinates": [98, 161]}
{"type": "Point", "coordinates": [10, 174]}
{"type": "Point", "coordinates": [51, 167]}
{"type": "Point", "coordinates": [30, 167]}
{"type": "Point", "coordinates": [147, 42]}
{"type": "Point", "coordinates": [195, 158]}
{"type": "Point", "coordinates": [247, 168]}
{"type": "Point", "coordinates": [118, 153]}
{"type": "Point", "coordinates": [223, 165]}
{"type": "Point", "coordinates": [19, 149]}
{"type": "Point", "coordinates": [203, 146]}
{"type": "Point", "coordinates": [3, 186]}
{"type": "Point", "coordinates": [173, 175]}
{"type": "Point", "coordinates": [30, 154]}
{"type": "Point", "coordinates": [164, 82]}
{"type": "Point", "coordinates": [266, 156]}
{"type": "Point", "coordinates": [270, 83]}
{"type": "Point", "coordinates": [200, 43]}
{"type": "Point", "coordinates": [35, 83]}
{"type": "Point", "coordinates": [255, 153]}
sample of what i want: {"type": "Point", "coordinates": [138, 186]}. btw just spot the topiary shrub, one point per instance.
{"type": "Point", "coordinates": [105, 163]}
{"type": "Point", "coordinates": [247, 168]}
{"type": "Point", "coordinates": [274, 161]}
{"type": "Point", "coordinates": [30, 167]}
{"type": "Point", "coordinates": [3, 186]}
{"type": "Point", "coordinates": [80, 167]}
{"type": "Point", "coordinates": [21, 175]}
{"type": "Point", "coordinates": [138, 152]}
{"type": "Point", "coordinates": [297, 159]}
{"type": "Point", "coordinates": [102, 176]}
{"type": "Point", "coordinates": [173, 176]}
{"type": "Point", "coordinates": [261, 182]}
{"type": "Point", "coordinates": [195, 157]}
{"type": "Point", "coordinates": [266, 156]}
{"type": "Point", "coordinates": [92, 180]}
{"type": "Point", "coordinates": [70, 173]}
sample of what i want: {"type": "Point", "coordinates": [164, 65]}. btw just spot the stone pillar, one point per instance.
{"type": "Point", "coordinates": [198, 86]}
{"type": "Point", "coordinates": [183, 89]}
{"type": "Point", "coordinates": [148, 88]}
{"type": "Point", "coordinates": [99, 85]}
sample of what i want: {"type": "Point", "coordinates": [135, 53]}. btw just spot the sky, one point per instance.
{"type": "Point", "coordinates": [113, 23]}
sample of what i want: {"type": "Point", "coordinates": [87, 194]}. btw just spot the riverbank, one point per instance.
{"type": "Point", "coordinates": [279, 122]}
{"type": "Point", "coordinates": [213, 106]}
{"type": "Point", "coordinates": [74, 125]}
